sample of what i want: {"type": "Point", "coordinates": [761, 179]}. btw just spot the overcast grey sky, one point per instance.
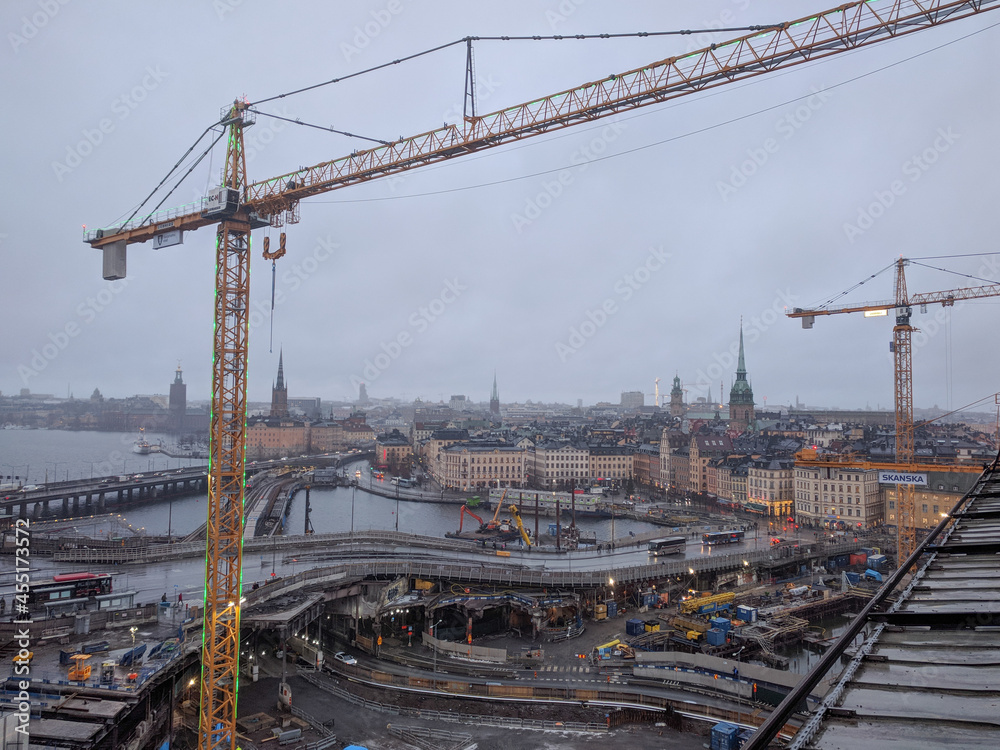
{"type": "Point", "coordinates": [730, 203]}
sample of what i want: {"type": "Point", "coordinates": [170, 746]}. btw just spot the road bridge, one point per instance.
{"type": "Point", "coordinates": [89, 496]}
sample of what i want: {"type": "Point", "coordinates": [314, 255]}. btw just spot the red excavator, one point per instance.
{"type": "Point", "coordinates": [461, 518]}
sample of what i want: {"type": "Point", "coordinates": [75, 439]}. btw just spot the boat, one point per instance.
{"type": "Point", "coordinates": [142, 446]}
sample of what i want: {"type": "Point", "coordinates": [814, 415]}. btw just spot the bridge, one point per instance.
{"type": "Point", "coordinates": [90, 496]}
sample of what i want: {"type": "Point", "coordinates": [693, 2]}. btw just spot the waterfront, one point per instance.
{"type": "Point", "coordinates": [42, 456]}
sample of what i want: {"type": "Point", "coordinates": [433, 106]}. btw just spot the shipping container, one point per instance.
{"type": "Point", "coordinates": [635, 627]}
{"type": "Point", "coordinates": [869, 551]}
{"type": "Point", "coordinates": [858, 558]}
{"type": "Point", "coordinates": [612, 608]}
{"type": "Point", "coordinates": [725, 736]}
{"type": "Point", "coordinates": [877, 561]}
{"type": "Point", "coordinates": [716, 637]}
{"type": "Point", "coordinates": [853, 578]}
{"type": "Point", "coordinates": [721, 623]}
{"type": "Point", "coordinates": [843, 560]}
{"type": "Point", "coordinates": [649, 600]}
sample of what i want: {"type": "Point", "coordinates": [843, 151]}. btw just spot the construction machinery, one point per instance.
{"type": "Point", "coordinates": [520, 526]}
{"type": "Point", "coordinates": [461, 518]}
{"type": "Point", "coordinates": [239, 206]}
{"type": "Point", "coordinates": [494, 523]}
{"type": "Point", "coordinates": [901, 346]}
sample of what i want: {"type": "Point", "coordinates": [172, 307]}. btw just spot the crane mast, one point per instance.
{"type": "Point", "coordinates": [224, 533]}
{"type": "Point", "coordinates": [239, 207]}
{"type": "Point", "coordinates": [902, 351]}
{"type": "Point", "coordinates": [902, 339]}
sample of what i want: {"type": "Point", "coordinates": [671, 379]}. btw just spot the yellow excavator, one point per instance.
{"type": "Point", "coordinates": [520, 526]}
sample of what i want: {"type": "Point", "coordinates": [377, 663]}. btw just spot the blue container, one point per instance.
{"type": "Point", "coordinates": [843, 561]}
{"type": "Point", "coordinates": [716, 637]}
{"type": "Point", "coordinates": [725, 736]}
{"type": "Point", "coordinates": [612, 608]}
{"type": "Point", "coordinates": [721, 623]}
{"type": "Point", "coordinates": [869, 551]}
{"type": "Point", "coordinates": [745, 613]}
{"type": "Point", "coordinates": [648, 600]}
{"type": "Point", "coordinates": [853, 578]}
{"type": "Point", "coordinates": [552, 529]}
{"type": "Point", "coordinates": [876, 561]}
{"type": "Point", "coordinates": [635, 627]}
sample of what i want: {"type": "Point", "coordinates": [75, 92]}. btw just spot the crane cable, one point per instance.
{"type": "Point", "coordinates": [172, 170]}
{"type": "Point", "coordinates": [467, 39]}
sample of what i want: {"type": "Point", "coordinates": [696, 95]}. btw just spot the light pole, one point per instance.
{"type": "Point", "coordinates": [354, 492]}
{"type": "Point", "coordinates": [739, 705]}
{"type": "Point", "coordinates": [434, 635]}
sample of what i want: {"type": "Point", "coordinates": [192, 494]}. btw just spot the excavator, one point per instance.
{"type": "Point", "coordinates": [461, 518]}
{"type": "Point", "coordinates": [520, 526]}
{"type": "Point", "coordinates": [494, 523]}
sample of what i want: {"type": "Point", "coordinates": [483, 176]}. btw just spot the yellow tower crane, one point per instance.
{"type": "Point", "coordinates": [901, 346]}
{"type": "Point", "coordinates": [239, 206]}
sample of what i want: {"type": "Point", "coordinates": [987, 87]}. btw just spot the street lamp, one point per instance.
{"type": "Point", "coordinates": [739, 706]}
{"type": "Point", "coordinates": [434, 635]}
{"type": "Point", "coordinates": [354, 492]}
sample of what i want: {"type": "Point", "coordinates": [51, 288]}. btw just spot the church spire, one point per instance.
{"type": "Point", "coordinates": [281, 365]}
{"type": "Point", "coordinates": [495, 397]}
{"type": "Point", "coordinates": [741, 367]}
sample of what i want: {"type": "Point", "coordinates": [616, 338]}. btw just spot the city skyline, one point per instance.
{"type": "Point", "coordinates": [578, 264]}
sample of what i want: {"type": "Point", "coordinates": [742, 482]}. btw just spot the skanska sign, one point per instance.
{"type": "Point", "coordinates": [896, 477]}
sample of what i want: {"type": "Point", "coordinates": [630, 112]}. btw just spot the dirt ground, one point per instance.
{"type": "Point", "coordinates": [370, 729]}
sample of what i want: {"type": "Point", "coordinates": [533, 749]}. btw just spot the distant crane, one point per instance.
{"type": "Point", "coordinates": [239, 206]}
{"type": "Point", "coordinates": [902, 333]}
{"type": "Point", "coordinates": [656, 395]}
